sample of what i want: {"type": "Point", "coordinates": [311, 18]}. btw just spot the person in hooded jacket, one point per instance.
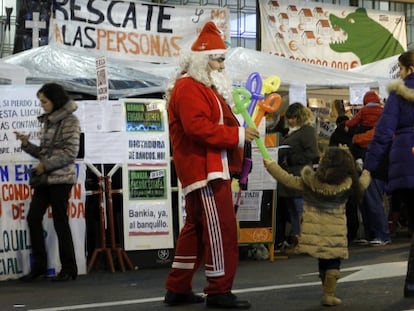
{"type": "Point", "coordinates": [394, 138]}
{"type": "Point", "coordinates": [325, 191]}
{"type": "Point", "coordinates": [57, 151]}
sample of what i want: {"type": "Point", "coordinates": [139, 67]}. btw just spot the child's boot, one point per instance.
{"type": "Point", "coordinates": [329, 287]}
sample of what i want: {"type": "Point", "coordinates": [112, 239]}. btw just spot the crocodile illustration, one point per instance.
{"type": "Point", "coordinates": [366, 38]}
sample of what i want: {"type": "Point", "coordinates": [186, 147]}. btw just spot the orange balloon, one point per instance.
{"type": "Point", "coordinates": [270, 104]}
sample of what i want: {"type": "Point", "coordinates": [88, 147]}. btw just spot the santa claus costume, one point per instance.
{"type": "Point", "coordinates": [207, 143]}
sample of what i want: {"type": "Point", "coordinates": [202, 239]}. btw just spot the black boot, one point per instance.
{"type": "Point", "coordinates": [64, 276]}
{"type": "Point", "coordinates": [34, 274]}
{"type": "Point", "coordinates": [175, 299]}
{"type": "Point", "coordinates": [226, 301]}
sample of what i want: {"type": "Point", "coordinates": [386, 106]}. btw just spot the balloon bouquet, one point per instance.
{"type": "Point", "coordinates": [255, 100]}
{"type": "Point", "coordinates": [248, 98]}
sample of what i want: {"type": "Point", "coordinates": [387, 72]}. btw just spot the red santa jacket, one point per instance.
{"type": "Point", "coordinates": [206, 138]}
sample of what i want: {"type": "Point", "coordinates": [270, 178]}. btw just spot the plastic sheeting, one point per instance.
{"type": "Point", "coordinates": [77, 72]}
{"type": "Point", "coordinates": [241, 62]}
{"type": "Point", "coordinates": [12, 74]}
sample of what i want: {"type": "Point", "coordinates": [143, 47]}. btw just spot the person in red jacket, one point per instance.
{"type": "Point", "coordinates": [207, 146]}
{"type": "Point", "coordinates": [369, 114]}
{"type": "Point", "coordinates": [375, 221]}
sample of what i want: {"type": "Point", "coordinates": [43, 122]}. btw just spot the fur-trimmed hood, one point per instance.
{"type": "Point", "coordinates": [399, 87]}
{"type": "Point", "coordinates": [323, 189]}
{"type": "Point", "coordinates": [323, 195]}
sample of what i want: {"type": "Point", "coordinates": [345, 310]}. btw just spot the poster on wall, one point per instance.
{"type": "Point", "coordinates": [341, 37]}
{"type": "Point", "coordinates": [146, 176]}
{"type": "Point", "coordinates": [136, 31]}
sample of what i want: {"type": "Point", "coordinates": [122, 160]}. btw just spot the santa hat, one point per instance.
{"type": "Point", "coordinates": [209, 40]}
{"type": "Point", "coordinates": [371, 97]}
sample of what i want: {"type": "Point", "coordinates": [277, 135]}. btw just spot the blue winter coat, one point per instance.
{"type": "Point", "coordinates": [395, 127]}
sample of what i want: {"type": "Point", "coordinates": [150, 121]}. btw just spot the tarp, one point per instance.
{"type": "Point", "coordinates": [241, 62]}
{"type": "Point", "coordinates": [12, 74]}
{"type": "Point", "coordinates": [77, 72]}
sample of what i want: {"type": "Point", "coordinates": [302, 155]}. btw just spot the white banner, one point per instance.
{"type": "Point", "coordinates": [334, 36]}
{"type": "Point", "coordinates": [137, 31]}
{"type": "Point", "coordinates": [19, 108]}
{"type": "Point", "coordinates": [15, 246]}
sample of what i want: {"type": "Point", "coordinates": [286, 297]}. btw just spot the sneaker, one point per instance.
{"type": "Point", "coordinates": [226, 301]}
{"type": "Point", "coordinates": [281, 247]}
{"type": "Point", "coordinates": [378, 242]}
{"type": "Point", "coordinates": [360, 242]}
{"type": "Point", "coordinates": [174, 299]}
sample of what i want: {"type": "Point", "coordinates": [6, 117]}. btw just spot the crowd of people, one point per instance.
{"type": "Point", "coordinates": [320, 195]}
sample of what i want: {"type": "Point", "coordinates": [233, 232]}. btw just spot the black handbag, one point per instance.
{"type": "Point", "coordinates": [35, 180]}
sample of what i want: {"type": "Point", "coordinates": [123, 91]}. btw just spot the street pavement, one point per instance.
{"type": "Point", "coordinates": [372, 279]}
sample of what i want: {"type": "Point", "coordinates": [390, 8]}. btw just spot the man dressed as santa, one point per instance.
{"type": "Point", "coordinates": [207, 142]}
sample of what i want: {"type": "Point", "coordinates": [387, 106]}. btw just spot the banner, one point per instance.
{"type": "Point", "coordinates": [137, 31]}
{"type": "Point", "coordinates": [334, 36]}
{"type": "Point", "coordinates": [19, 110]}
{"type": "Point", "coordinates": [15, 246]}
{"type": "Point", "coordinates": [146, 176]}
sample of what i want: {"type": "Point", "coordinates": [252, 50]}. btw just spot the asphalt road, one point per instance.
{"type": "Point", "coordinates": [372, 280]}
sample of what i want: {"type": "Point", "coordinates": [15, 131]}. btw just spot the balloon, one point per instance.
{"type": "Point", "coordinates": [242, 97]}
{"type": "Point", "coordinates": [270, 85]}
{"type": "Point", "coordinates": [270, 104]}
{"type": "Point", "coordinates": [254, 85]}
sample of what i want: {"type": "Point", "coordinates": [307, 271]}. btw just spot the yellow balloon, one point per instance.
{"type": "Point", "coordinates": [270, 85]}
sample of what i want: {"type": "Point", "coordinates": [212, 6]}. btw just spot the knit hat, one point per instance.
{"type": "Point", "coordinates": [371, 97]}
{"type": "Point", "coordinates": [209, 40]}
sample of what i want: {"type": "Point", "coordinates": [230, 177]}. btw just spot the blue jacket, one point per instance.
{"type": "Point", "coordinates": [395, 128]}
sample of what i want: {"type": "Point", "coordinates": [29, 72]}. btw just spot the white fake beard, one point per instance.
{"type": "Point", "coordinates": [223, 85]}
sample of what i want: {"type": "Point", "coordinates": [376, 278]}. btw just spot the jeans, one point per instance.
{"type": "Point", "coordinates": [295, 209]}
{"type": "Point", "coordinates": [373, 214]}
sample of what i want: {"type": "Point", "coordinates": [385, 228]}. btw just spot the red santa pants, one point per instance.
{"type": "Point", "coordinates": [209, 236]}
